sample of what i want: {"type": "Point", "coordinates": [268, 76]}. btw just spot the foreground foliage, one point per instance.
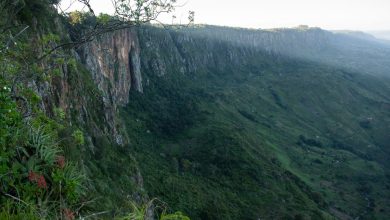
{"type": "Point", "coordinates": [37, 179]}
{"type": "Point", "coordinates": [45, 159]}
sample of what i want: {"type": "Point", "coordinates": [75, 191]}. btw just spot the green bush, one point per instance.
{"type": "Point", "coordinates": [78, 136]}
{"type": "Point", "coordinates": [36, 180]}
{"type": "Point", "coordinates": [154, 205]}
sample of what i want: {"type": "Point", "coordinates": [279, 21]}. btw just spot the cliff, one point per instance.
{"type": "Point", "coordinates": [221, 123]}
{"type": "Point", "coordinates": [164, 83]}
{"type": "Point", "coordinates": [113, 59]}
{"type": "Point", "coordinates": [343, 49]}
{"type": "Point", "coordinates": [232, 118]}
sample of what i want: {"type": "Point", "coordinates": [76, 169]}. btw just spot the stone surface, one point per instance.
{"type": "Point", "coordinates": [114, 62]}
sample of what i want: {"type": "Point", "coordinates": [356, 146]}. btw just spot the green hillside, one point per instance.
{"type": "Point", "coordinates": [139, 122]}
{"type": "Point", "coordinates": [259, 136]}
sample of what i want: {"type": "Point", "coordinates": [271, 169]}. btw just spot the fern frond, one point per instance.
{"type": "Point", "coordinates": [44, 144]}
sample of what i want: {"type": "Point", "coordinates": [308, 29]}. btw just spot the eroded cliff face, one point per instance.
{"type": "Point", "coordinates": [87, 89]}
{"type": "Point", "coordinates": [71, 92]}
{"type": "Point", "coordinates": [118, 65]}
{"type": "Point", "coordinates": [361, 54]}
{"type": "Point", "coordinates": [113, 60]}
{"type": "Point", "coordinates": [124, 60]}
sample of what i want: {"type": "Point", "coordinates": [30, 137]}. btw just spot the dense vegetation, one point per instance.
{"type": "Point", "coordinates": [56, 161]}
{"type": "Point", "coordinates": [223, 130]}
{"type": "Point", "coordinates": [255, 135]}
{"type": "Point", "coordinates": [37, 178]}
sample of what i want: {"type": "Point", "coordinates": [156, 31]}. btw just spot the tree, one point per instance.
{"type": "Point", "coordinates": [128, 13]}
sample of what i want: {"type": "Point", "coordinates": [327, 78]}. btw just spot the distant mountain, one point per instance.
{"type": "Point", "coordinates": [378, 37]}
{"type": "Point", "coordinates": [357, 34]}
{"type": "Point", "coordinates": [381, 34]}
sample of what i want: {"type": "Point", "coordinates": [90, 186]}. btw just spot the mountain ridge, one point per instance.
{"type": "Point", "coordinates": [235, 88]}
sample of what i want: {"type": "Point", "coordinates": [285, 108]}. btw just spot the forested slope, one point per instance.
{"type": "Point", "coordinates": [220, 123]}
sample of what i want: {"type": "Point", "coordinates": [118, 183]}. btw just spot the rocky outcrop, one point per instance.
{"type": "Point", "coordinates": [114, 62]}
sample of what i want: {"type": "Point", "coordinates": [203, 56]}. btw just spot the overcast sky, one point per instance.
{"type": "Point", "coordinates": [328, 14]}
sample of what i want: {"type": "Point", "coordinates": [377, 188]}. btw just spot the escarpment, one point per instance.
{"type": "Point", "coordinates": [113, 60]}
{"type": "Point", "coordinates": [196, 115]}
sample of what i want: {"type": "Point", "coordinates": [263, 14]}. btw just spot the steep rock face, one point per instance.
{"type": "Point", "coordinates": [115, 59]}
{"type": "Point", "coordinates": [71, 92]}
{"type": "Point", "coordinates": [87, 91]}
{"type": "Point", "coordinates": [361, 54]}
{"type": "Point", "coordinates": [168, 51]}
{"type": "Point", "coordinates": [114, 63]}
{"type": "Point", "coordinates": [284, 41]}
{"type": "Point", "coordinates": [153, 58]}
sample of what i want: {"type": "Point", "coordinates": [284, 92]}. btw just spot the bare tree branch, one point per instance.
{"type": "Point", "coordinates": [86, 3]}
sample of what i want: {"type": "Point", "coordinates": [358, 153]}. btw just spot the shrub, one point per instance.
{"type": "Point", "coordinates": [142, 212]}
{"type": "Point", "coordinates": [302, 140]}
{"type": "Point", "coordinates": [78, 137]}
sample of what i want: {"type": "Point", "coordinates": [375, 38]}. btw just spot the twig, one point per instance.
{"type": "Point", "coordinates": [17, 199]}
{"type": "Point", "coordinates": [1, 176]}
{"type": "Point", "coordinates": [94, 214]}
{"type": "Point", "coordinates": [17, 35]}
{"type": "Point", "coordinates": [84, 204]}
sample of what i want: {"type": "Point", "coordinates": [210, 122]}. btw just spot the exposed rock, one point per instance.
{"type": "Point", "coordinates": [114, 62]}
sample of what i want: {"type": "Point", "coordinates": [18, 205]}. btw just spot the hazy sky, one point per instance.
{"type": "Point", "coordinates": [327, 14]}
